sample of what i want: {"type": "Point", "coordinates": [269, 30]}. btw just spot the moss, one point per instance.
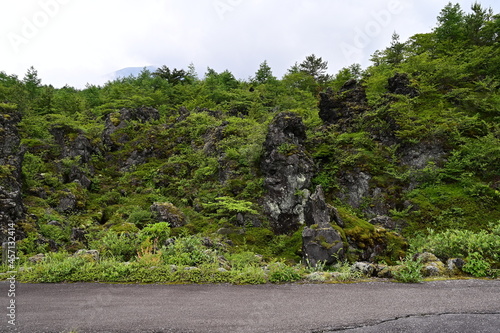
{"type": "Point", "coordinates": [446, 206]}
{"type": "Point", "coordinates": [115, 118]}
{"type": "Point", "coordinates": [351, 220]}
{"type": "Point", "coordinates": [128, 228]}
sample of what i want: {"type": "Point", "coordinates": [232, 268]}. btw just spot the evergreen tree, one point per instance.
{"type": "Point", "coordinates": [475, 23]}
{"type": "Point", "coordinates": [32, 82]}
{"type": "Point", "coordinates": [315, 67]}
{"type": "Point", "coordinates": [175, 76]}
{"type": "Point", "coordinates": [395, 53]}
{"type": "Point", "coordinates": [450, 24]}
{"type": "Point", "coordinates": [264, 74]}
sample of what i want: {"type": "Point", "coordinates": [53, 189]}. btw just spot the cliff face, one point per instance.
{"type": "Point", "coordinates": [11, 157]}
{"type": "Point", "coordinates": [369, 137]}
{"type": "Point", "coordinates": [267, 180]}
{"type": "Point", "coordinates": [288, 171]}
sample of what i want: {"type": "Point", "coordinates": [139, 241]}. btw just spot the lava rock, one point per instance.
{"type": "Point", "coordinates": [11, 158]}
{"type": "Point", "coordinates": [344, 106]}
{"type": "Point", "coordinates": [321, 245]}
{"type": "Point", "coordinates": [167, 212]}
{"type": "Point", "coordinates": [287, 171]}
{"type": "Point", "coordinates": [400, 84]}
{"type": "Point", "coordinates": [366, 268]}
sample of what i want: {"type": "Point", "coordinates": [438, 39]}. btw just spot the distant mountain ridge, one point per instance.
{"type": "Point", "coordinates": [128, 71]}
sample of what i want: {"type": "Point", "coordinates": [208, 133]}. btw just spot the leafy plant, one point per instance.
{"type": "Point", "coordinates": [110, 244]}
{"type": "Point", "coordinates": [476, 265]}
{"type": "Point", "coordinates": [189, 251]}
{"type": "Point", "coordinates": [229, 205]}
{"type": "Point", "coordinates": [409, 271]}
{"type": "Point", "coordinates": [158, 231]}
{"type": "Point", "coordinates": [280, 272]}
{"type": "Point", "coordinates": [343, 272]}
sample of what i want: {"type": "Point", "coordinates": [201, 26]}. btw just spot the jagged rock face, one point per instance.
{"type": "Point", "coordinates": [400, 84]}
{"type": "Point", "coordinates": [418, 155]}
{"type": "Point", "coordinates": [74, 144]}
{"type": "Point", "coordinates": [288, 171]}
{"type": "Point", "coordinates": [121, 119]}
{"type": "Point", "coordinates": [343, 106]}
{"type": "Point", "coordinates": [11, 158]}
{"type": "Point", "coordinates": [317, 211]}
{"type": "Point", "coordinates": [320, 241]}
{"type": "Point", "coordinates": [358, 188]}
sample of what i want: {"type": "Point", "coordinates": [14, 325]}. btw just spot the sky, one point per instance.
{"type": "Point", "coordinates": [75, 42]}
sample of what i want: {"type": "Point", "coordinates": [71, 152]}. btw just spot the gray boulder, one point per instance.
{"type": "Point", "coordinates": [94, 254]}
{"type": "Point", "coordinates": [321, 245]}
{"type": "Point", "coordinates": [366, 268]}
{"type": "Point", "coordinates": [167, 212]}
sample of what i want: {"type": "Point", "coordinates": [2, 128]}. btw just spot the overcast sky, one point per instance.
{"type": "Point", "coordinates": [79, 41]}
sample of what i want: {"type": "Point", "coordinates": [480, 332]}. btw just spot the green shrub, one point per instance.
{"type": "Point", "coordinates": [159, 231]}
{"type": "Point", "coordinates": [460, 243]}
{"type": "Point", "coordinates": [476, 265]}
{"type": "Point", "coordinates": [30, 245]}
{"type": "Point", "coordinates": [55, 233]}
{"type": "Point", "coordinates": [250, 275]}
{"type": "Point", "coordinates": [280, 272]}
{"type": "Point", "coordinates": [239, 261]}
{"type": "Point", "coordinates": [410, 271]}
{"type": "Point", "coordinates": [140, 217]}
{"type": "Point", "coordinates": [343, 272]}
{"type": "Point", "coordinates": [57, 267]}
{"type": "Point", "coordinates": [122, 247]}
{"type": "Point", "coordinates": [189, 251]}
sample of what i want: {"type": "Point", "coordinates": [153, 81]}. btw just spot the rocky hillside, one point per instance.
{"type": "Point", "coordinates": [309, 167]}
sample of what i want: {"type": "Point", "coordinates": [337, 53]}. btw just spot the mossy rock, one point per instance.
{"type": "Point", "coordinates": [128, 228]}
{"type": "Point", "coordinates": [372, 243]}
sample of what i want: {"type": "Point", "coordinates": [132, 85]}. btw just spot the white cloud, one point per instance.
{"type": "Point", "coordinates": [74, 42]}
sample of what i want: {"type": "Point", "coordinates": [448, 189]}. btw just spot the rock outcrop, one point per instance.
{"type": "Point", "coordinates": [320, 241]}
{"type": "Point", "coordinates": [11, 158]}
{"type": "Point", "coordinates": [167, 212]}
{"type": "Point", "coordinates": [343, 106]}
{"type": "Point", "coordinates": [74, 145]}
{"type": "Point", "coordinates": [400, 84]}
{"type": "Point", "coordinates": [288, 171]}
{"type": "Point", "coordinates": [120, 120]}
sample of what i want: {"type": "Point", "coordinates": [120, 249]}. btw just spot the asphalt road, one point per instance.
{"type": "Point", "coordinates": [439, 306]}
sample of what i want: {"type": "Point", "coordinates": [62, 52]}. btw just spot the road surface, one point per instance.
{"type": "Point", "coordinates": [438, 306]}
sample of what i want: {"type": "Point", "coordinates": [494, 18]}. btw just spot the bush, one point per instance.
{"type": "Point", "coordinates": [122, 247]}
{"type": "Point", "coordinates": [476, 265]}
{"type": "Point", "coordinates": [410, 271]}
{"type": "Point", "coordinates": [189, 251]}
{"type": "Point", "coordinates": [343, 272]}
{"type": "Point", "coordinates": [455, 243]}
{"type": "Point", "coordinates": [159, 231]}
{"type": "Point", "coordinates": [239, 261]}
{"type": "Point", "coordinates": [250, 275]}
{"type": "Point", "coordinates": [280, 272]}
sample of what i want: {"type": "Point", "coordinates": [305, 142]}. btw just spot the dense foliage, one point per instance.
{"type": "Point", "coordinates": [431, 156]}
